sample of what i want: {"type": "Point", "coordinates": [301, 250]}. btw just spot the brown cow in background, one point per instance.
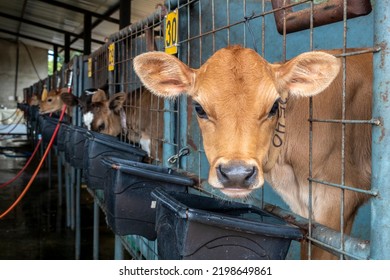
{"type": "Point", "coordinates": [138, 114]}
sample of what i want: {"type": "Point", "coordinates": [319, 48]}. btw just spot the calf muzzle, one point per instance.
{"type": "Point", "coordinates": [237, 175]}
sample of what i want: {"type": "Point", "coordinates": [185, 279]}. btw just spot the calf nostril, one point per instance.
{"type": "Point", "coordinates": [221, 171]}
{"type": "Point", "coordinates": [236, 175]}
{"type": "Point", "coordinates": [251, 173]}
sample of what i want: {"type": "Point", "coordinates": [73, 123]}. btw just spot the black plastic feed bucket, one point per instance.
{"type": "Point", "coordinates": [77, 146]}
{"type": "Point", "coordinates": [198, 227]}
{"type": "Point", "coordinates": [129, 204]}
{"type": "Point", "coordinates": [62, 136]}
{"type": "Point", "coordinates": [100, 145]}
{"type": "Point", "coordinates": [69, 143]}
{"type": "Point", "coordinates": [47, 125]}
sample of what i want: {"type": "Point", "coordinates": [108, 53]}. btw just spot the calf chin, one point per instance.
{"type": "Point", "coordinates": [236, 193]}
{"type": "Point", "coordinates": [87, 119]}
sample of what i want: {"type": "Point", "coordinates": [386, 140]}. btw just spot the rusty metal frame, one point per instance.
{"type": "Point", "coordinates": [325, 13]}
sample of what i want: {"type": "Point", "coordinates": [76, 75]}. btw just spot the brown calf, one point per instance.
{"type": "Point", "coordinates": [254, 116]}
{"type": "Point", "coordinates": [138, 114]}
{"type": "Point", "coordinates": [53, 102]}
{"type": "Point", "coordinates": [85, 102]}
{"type": "Point", "coordinates": [34, 100]}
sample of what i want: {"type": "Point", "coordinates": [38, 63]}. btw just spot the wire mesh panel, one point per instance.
{"type": "Point", "coordinates": [147, 117]}
{"type": "Point", "coordinates": [97, 64]}
{"type": "Point", "coordinates": [144, 120]}
{"type": "Point", "coordinates": [280, 31]}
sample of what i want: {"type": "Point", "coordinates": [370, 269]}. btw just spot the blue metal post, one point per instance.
{"type": "Point", "coordinates": [72, 197]}
{"type": "Point", "coordinates": [380, 220]}
{"type": "Point", "coordinates": [96, 215]}
{"type": "Point", "coordinates": [67, 194]}
{"type": "Point", "coordinates": [118, 250]}
{"type": "Point", "coordinates": [169, 124]}
{"type": "Point", "coordinates": [78, 215]}
{"type": "Point", "coordinates": [59, 174]}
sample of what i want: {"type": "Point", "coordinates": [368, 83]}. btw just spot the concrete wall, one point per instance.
{"type": "Point", "coordinates": [26, 73]}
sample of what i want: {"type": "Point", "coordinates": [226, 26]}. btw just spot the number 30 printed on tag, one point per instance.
{"type": "Point", "coordinates": [171, 32]}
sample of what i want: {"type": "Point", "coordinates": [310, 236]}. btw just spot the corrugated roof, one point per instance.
{"type": "Point", "coordinates": [43, 23]}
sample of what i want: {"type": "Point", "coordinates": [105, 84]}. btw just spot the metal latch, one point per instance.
{"type": "Point", "coordinates": [182, 152]}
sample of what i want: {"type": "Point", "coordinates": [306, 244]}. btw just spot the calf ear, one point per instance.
{"type": "Point", "coordinates": [99, 96]}
{"type": "Point", "coordinates": [164, 74]}
{"type": "Point", "coordinates": [116, 102]}
{"type": "Point", "coordinates": [69, 99]}
{"type": "Point", "coordinates": [307, 74]}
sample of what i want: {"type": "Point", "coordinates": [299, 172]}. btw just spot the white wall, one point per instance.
{"type": "Point", "coordinates": [26, 72]}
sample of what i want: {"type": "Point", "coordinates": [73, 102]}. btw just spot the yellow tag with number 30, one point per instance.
{"type": "Point", "coordinates": [172, 32]}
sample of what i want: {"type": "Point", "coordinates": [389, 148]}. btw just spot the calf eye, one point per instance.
{"type": "Point", "coordinates": [200, 111]}
{"type": "Point", "coordinates": [101, 127]}
{"type": "Point", "coordinates": [274, 109]}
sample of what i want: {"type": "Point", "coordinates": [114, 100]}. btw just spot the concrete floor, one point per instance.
{"type": "Point", "coordinates": [36, 229]}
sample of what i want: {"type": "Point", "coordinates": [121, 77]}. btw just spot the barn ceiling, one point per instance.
{"type": "Point", "coordinates": [44, 23]}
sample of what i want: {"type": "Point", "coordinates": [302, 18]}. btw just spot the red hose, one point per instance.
{"type": "Point", "coordinates": [24, 167]}
{"type": "Point", "coordinates": [38, 168]}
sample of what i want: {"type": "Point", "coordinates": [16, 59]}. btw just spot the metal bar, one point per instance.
{"type": "Point", "coordinates": [67, 195]}
{"type": "Point", "coordinates": [343, 187]}
{"type": "Point", "coordinates": [118, 251]}
{"type": "Point", "coordinates": [87, 33]}
{"type": "Point", "coordinates": [124, 13]}
{"type": "Point", "coordinates": [343, 128]}
{"type": "Point", "coordinates": [67, 48]}
{"type": "Point", "coordinates": [72, 197]}
{"type": "Point", "coordinates": [327, 238]}
{"type": "Point", "coordinates": [78, 215]}
{"type": "Point", "coordinates": [328, 12]}
{"type": "Point", "coordinates": [380, 216]}
{"type": "Point", "coordinates": [310, 204]}
{"type": "Point", "coordinates": [372, 121]}
{"type": "Point", "coordinates": [96, 215]}
{"type": "Point", "coordinates": [55, 58]}
{"type": "Point", "coordinates": [363, 51]}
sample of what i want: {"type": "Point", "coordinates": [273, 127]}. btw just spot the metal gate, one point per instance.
{"type": "Point", "coordinates": [206, 26]}
{"type": "Point", "coordinates": [278, 30]}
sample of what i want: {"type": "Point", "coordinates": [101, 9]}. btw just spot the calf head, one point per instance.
{"type": "Point", "coordinates": [53, 102]}
{"type": "Point", "coordinates": [34, 100]}
{"type": "Point", "coordinates": [85, 102]}
{"type": "Point", "coordinates": [236, 96]}
{"type": "Point", "coordinates": [105, 114]}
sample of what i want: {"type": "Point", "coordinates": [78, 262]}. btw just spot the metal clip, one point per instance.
{"type": "Point", "coordinates": [183, 152]}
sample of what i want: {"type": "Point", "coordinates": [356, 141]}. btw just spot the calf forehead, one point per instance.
{"type": "Point", "coordinates": [236, 78]}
